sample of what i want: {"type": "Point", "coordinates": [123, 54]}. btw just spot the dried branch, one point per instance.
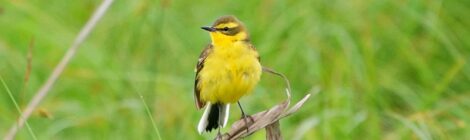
{"type": "Point", "coordinates": [264, 119]}
{"type": "Point", "coordinates": [42, 92]}
{"type": "Point", "coordinates": [268, 119]}
{"type": "Point", "coordinates": [273, 132]}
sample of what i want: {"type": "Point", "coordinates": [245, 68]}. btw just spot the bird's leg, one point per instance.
{"type": "Point", "coordinates": [244, 116]}
{"type": "Point", "coordinates": [219, 136]}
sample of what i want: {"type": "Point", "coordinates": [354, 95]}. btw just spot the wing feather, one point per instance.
{"type": "Point", "coordinates": [200, 64]}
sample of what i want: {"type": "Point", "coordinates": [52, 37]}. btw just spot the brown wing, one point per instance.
{"type": "Point", "coordinates": [200, 64]}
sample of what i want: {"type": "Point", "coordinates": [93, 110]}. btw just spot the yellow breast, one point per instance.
{"type": "Point", "coordinates": [229, 72]}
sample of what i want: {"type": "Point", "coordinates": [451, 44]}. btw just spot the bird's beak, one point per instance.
{"type": "Point", "coordinates": [210, 29]}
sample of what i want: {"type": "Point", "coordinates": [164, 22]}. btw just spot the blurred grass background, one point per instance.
{"type": "Point", "coordinates": [386, 69]}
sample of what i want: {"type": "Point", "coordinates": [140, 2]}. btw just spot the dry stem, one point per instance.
{"type": "Point", "coordinates": [268, 119]}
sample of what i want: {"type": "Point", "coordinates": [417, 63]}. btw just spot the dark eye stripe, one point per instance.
{"type": "Point", "coordinates": [230, 31]}
{"type": "Point", "coordinates": [223, 29]}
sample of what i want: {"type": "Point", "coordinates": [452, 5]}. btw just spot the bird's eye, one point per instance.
{"type": "Point", "coordinates": [225, 29]}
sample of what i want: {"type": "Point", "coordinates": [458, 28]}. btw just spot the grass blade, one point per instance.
{"type": "Point", "coordinates": [17, 108]}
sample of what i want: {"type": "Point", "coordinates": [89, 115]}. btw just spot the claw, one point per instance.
{"type": "Point", "coordinates": [245, 117]}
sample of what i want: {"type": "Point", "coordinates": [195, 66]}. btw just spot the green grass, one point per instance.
{"type": "Point", "coordinates": [17, 108]}
{"type": "Point", "coordinates": [386, 69]}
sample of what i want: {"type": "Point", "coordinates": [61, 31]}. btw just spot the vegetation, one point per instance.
{"type": "Point", "coordinates": [385, 69]}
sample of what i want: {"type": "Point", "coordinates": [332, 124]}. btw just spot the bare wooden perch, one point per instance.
{"type": "Point", "coordinates": [268, 119]}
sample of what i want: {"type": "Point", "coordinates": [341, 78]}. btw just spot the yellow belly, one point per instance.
{"type": "Point", "coordinates": [229, 73]}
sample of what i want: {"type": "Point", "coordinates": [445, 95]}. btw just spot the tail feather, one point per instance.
{"type": "Point", "coordinates": [215, 115]}
{"type": "Point", "coordinates": [213, 118]}
{"type": "Point", "coordinates": [223, 117]}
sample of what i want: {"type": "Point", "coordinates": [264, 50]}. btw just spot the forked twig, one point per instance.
{"type": "Point", "coordinates": [268, 119]}
{"type": "Point", "coordinates": [42, 92]}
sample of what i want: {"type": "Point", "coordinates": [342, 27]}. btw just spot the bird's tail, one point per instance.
{"type": "Point", "coordinates": [215, 115]}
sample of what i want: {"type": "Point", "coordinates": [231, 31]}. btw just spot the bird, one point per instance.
{"type": "Point", "coordinates": [227, 69]}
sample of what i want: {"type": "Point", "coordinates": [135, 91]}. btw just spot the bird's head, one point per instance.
{"type": "Point", "coordinates": [227, 29]}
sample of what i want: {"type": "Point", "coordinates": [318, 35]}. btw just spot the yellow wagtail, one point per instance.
{"type": "Point", "coordinates": [227, 69]}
